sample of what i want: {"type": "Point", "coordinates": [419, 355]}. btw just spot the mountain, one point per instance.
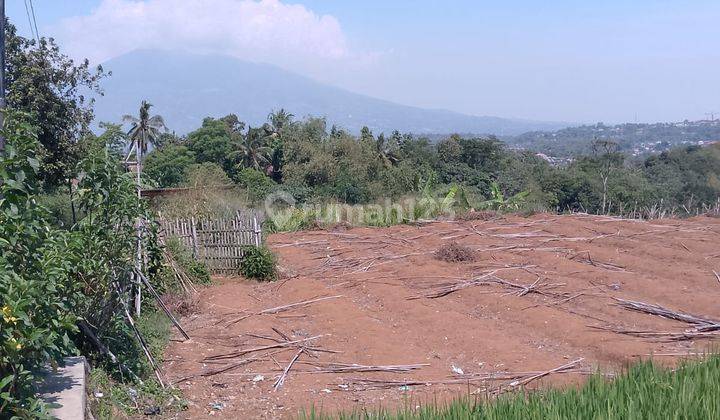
{"type": "Point", "coordinates": [185, 88]}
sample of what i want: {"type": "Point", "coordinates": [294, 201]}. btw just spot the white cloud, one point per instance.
{"type": "Point", "coordinates": [266, 30]}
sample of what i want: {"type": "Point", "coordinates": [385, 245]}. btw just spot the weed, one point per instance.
{"type": "Point", "coordinates": [194, 268]}
{"type": "Point", "coordinates": [478, 215]}
{"type": "Point", "coordinates": [645, 391]}
{"type": "Point", "coordinates": [454, 252]}
{"type": "Point", "coordinates": [182, 304]}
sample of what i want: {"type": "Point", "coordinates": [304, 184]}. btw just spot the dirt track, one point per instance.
{"type": "Point", "coordinates": [577, 264]}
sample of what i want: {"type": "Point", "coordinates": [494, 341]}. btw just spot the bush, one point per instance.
{"type": "Point", "coordinates": [258, 184]}
{"type": "Point", "coordinates": [454, 252]}
{"type": "Point", "coordinates": [52, 279]}
{"type": "Point", "coordinates": [206, 174]}
{"type": "Point", "coordinates": [37, 291]}
{"type": "Point", "coordinates": [258, 263]}
{"type": "Point", "coordinates": [59, 207]}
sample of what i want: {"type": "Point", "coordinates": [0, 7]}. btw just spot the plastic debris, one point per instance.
{"type": "Point", "coordinates": [217, 405]}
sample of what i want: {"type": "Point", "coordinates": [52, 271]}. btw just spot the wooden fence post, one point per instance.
{"type": "Point", "coordinates": [256, 230]}
{"type": "Point", "coordinates": [193, 234]}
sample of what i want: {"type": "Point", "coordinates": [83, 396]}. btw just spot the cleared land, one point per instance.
{"type": "Point", "coordinates": [541, 293]}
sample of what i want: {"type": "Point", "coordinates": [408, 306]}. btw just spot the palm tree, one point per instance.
{"type": "Point", "coordinates": [280, 119]}
{"type": "Point", "coordinates": [253, 150]}
{"type": "Point", "coordinates": [144, 128]}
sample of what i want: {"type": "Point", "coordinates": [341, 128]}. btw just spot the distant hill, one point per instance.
{"type": "Point", "coordinates": [632, 138]}
{"type": "Point", "coordinates": [185, 88]}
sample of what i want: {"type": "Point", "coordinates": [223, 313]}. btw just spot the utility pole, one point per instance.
{"type": "Point", "coordinates": [2, 74]}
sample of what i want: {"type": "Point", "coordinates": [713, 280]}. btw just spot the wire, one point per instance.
{"type": "Point", "coordinates": [27, 11]}
{"type": "Point", "coordinates": [33, 28]}
{"type": "Point", "coordinates": [37, 33]}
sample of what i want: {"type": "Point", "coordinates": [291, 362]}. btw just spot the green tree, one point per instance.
{"type": "Point", "coordinates": [113, 138]}
{"type": "Point", "coordinates": [366, 134]}
{"type": "Point", "coordinates": [57, 94]}
{"type": "Point", "coordinates": [168, 165]}
{"type": "Point", "coordinates": [213, 142]}
{"type": "Point", "coordinates": [386, 151]}
{"type": "Point", "coordinates": [607, 159]}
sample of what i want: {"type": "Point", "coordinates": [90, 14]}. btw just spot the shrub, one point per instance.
{"type": "Point", "coordinates": [258, 184]}
{"type": "Point", "coordinates": [59, 207]}
{"type": "Point", "coordinates": [454, 252]}
{"type": "Point", "coordinates": [258, 263]}
{"type": "Point", "coordinates": [36, 289]}
{"type": "Point", "coordinates": [50, 279]}
{"type": "Point", "coordinates": [208, 202]}
{"type": "Point", "coordinates": [206, 174]}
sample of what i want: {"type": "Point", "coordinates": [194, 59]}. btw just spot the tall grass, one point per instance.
{"type": "Point", "coordinates": [646, 391]}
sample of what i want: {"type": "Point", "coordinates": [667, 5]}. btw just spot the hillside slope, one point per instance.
{"type": "Point", "coordinates": [185, 88]}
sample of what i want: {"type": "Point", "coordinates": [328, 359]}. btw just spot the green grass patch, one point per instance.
{"type": "Point", "coordinates": [110, 398]}
{"type": "Point", "coordinates": [645, 391]}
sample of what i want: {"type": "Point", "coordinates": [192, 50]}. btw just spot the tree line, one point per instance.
{"type": "Point", "coordinates": [313, 163]}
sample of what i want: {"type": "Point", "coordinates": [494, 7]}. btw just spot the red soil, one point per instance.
{"type": "Point", "coordinates": [479, 329]}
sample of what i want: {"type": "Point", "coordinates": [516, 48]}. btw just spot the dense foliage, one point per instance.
{"type": "Point", "coordinates": [54, 281]}
{"type": "Point", "coordinates": [315, 164]}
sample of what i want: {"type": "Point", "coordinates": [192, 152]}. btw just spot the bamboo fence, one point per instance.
{"type": "Point", "coordinates": [219, 243]}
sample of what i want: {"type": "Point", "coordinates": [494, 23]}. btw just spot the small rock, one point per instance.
{"type": "Point", "coordinates": [152, 411]}
{"type": "Point", "coordinates": [457, 370]}
{"type": "Point", "coordinates": [258, 378]}
{"type": "Point", "coordinates": [132, 392]}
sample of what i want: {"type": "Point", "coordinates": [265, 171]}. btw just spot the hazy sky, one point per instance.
{"type": "Point", "coordinates": [579, 61]}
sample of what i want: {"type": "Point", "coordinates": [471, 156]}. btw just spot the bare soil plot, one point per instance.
{"type": "Point", "coordinates": [368, 317]}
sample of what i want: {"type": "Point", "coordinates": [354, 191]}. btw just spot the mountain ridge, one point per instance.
{"type": "Point", "coordinates": [185, 88]}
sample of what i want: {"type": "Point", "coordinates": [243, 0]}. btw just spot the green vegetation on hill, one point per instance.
{"type": "Point", "coordinates": [635, 139]}
{"type": "Point", "coordinates": [315, 164]}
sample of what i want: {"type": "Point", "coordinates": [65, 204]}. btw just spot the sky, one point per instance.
{"type": "Point", "coordinates": [554, 60]}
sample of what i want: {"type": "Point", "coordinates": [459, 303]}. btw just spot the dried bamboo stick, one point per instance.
{"type": "Point", "coordinates": [284, 308]}
{"type": "Point", "coordinates": [261, 348]}
{"type": "Point", "coordinates": [162, 305]}
{"type": "Point", "coordinates": [281, 380]}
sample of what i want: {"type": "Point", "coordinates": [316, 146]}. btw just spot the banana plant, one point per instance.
{"type": "Point", "coordinates": [499, 202]}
